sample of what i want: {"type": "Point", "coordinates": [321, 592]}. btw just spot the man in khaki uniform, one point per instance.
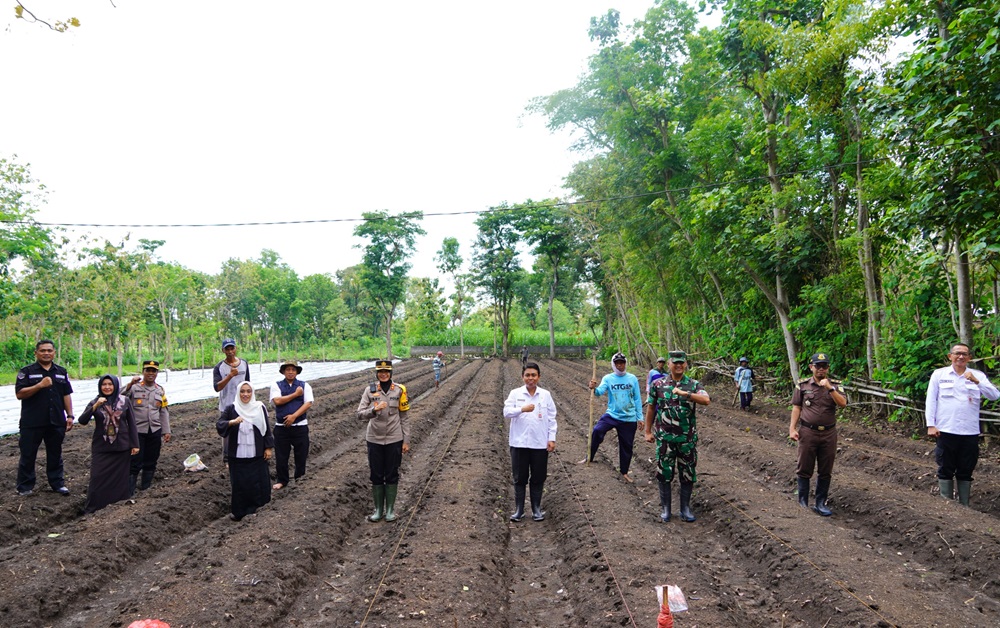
{"type": "Point", "coordinates": [384, 405]}
{"type": "Point", "coordinates": [149, 407]}
{"type": "Point", "coordinates": [814, 407]}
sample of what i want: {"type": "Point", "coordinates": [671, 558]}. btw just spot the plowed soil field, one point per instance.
{"type": "Point", "coordinates": [894, 553]}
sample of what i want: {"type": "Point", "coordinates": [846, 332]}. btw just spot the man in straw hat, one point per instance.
{"type": "Point", "coordinates": [292, 399]}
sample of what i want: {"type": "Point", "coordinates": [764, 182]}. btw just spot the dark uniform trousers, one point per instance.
{"type": "Point", "coordinates": [287, 439]}
{"type": "Point", "coordinates": [956, 456]}
{"type": "Point", "coordinates": [150, 444]}
{"type": "Point", "coordinates": [817, 448]}
{"type": "Point", "coordinates": [30, 439]}
{"type": "Point", "coordinates": [384, 461]}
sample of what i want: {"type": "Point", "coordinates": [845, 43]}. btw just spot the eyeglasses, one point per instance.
{"type": "Point", "coordinates": [822, 365]}
{"type": "Point", "coordinates": [960, 353]}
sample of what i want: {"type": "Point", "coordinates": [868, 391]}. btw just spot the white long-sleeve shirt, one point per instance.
{"type": "Point", "coordinates": [953, 401]}
{"type": "Point", "coordinates": [534, 429]}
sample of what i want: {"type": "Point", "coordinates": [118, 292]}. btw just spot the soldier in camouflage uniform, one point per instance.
{"type": "Point", "coordinates": [671, 407]}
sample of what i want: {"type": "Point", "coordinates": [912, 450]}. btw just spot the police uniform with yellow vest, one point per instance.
{"type": "Point", "coordinates": [384, 405]}
{"type": "Point", "coordinates": [814, 410]}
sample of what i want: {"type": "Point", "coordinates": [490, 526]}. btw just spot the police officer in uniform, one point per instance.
{"type": "Point", "coordinates": [149, 407]}
{"type": "Point", "coordinates": [384, 405]}
{"type": "Point", "coordinates": [671, 407]}
{"type": "Point", "coordinates": [46, 415]}
{"type": "Point", "coordinates": [814, 408]}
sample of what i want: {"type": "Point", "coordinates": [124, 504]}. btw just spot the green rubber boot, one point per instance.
{"type": "Point", "coordinates": [947, 488]}
{"type": "Point", "coordinates": [378, 494]}
{"type": "Point", "coordinates": [964, 490]}
{"type": "Point", "coordinates": [390, 501]}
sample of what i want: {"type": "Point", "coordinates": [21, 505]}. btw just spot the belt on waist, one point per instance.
{"type": "Point", "coordinates": [818, 428]}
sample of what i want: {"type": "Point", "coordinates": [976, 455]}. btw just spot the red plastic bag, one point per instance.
{"type": "Point", "coordinates": [149, 623]}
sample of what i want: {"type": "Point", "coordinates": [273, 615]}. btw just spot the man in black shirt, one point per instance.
{"type": "Point", "coordinates": [46, 415]}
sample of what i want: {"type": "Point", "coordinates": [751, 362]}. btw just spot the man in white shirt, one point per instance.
{"type": "Point", "coordinates": [954, 396]}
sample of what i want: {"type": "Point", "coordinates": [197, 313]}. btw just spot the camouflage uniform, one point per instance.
{"type": "Point", "coordinates": [675, 427]}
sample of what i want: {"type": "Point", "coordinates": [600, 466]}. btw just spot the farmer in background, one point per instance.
{"type": "Point", "coordinates": [437, 364]}
{"type": "Point", "coordinates": [671, 410]}
{"type": "Point", "coordinates": [384, 405]}
{"type": "Point", "coordinates": [623, 414]}
{"type": "Point", "coordinates": [292, 399]}
{"type": "Point", "coordinates": [44, 391]}
{"type": "Point", "coordinates": [532, 435]}
{"type": "Point", "coordinates": [814, 407]}
{"type": "Point", "coordinates": [954, 396]}
{"type": "Point", "coordinates": [656, 373]}
{"type": "Point", "coordinates": [226, 379]}
{"type": "Point", "coordinates": [744, 380]}
{"type": "Point", "coordinates": [148, 402]}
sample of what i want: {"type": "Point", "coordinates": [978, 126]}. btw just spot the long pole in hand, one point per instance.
{"type": "Point", "coordinates": [590, 427]}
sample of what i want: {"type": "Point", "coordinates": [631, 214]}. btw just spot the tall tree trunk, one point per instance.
{"type": "Point", "coordinates": [388, 335]}
{"type": "Point", "coordinates": [552, 298]}
{"type": "Point", "coordinates": [963, 279]}
{"type": "Point", "coordinates": [779, 298]}
{"type": "Point", "coordinates": [869, 268]}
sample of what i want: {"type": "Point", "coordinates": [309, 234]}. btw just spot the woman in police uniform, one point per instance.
{"type": "Point", "coordinates": [384, 405]}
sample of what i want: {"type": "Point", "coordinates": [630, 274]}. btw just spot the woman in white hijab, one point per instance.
{"type": "Point", "coordinates": [251, 445]}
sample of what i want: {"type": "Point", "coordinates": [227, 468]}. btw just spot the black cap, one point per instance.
{"type": "Point", "coordinates": [383, 365]}
{"type": "Point", "coordinates": [151, 364]}
{"type": "Point", "coordinates": [228, 342]}
{"type": "Point", "coordinates": [819, 358]}
{"type": "Point", "coordinates": [678, 356]}
{"type": "Point", "coordinates": [618, 357]}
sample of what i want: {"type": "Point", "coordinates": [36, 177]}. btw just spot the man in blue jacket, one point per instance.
{"type": "Point", "coordinates": [623, 415]}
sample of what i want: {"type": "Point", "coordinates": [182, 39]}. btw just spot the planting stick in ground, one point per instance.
{"type": "Point", "coordinates": [590, 426]}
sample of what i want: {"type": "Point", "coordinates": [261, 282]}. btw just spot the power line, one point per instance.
{"type": "Point", "coordinates": [414, 214]}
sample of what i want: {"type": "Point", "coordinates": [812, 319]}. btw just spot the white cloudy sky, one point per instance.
{"type": "Point", "coordinates": [156, 112]}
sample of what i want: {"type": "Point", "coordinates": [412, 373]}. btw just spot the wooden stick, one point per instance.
{"type": "Point", "coordinates": [590, 427]}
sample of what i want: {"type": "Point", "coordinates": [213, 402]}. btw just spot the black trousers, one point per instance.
{"type": "Point", "coordinates": [956, 456]}
{"type": "Point", "coordinates": [529, 466]}
{"type": "Point", "coordinates": [384, 461]}
{"type": "Point", "coordinates": [28, 442]}
{"type": "Point", "coordinates": [150, 444]}
{"type": "Point", "coordinates": [285, 440]}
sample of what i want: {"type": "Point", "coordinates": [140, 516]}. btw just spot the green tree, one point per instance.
{"type": "Point", "coordinates": [21, 238]}
{"type": "Point", "coordinates": [495, 265]}
{"type": "Point", "coordinates": [391, 242]}
{"type": "Point", "coordinates": [449, 261]}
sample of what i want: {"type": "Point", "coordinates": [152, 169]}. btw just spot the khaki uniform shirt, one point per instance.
{"type": "Point", "coordinates": [149, 407]}
{"type": "Point", "coordinates": [390, 424]}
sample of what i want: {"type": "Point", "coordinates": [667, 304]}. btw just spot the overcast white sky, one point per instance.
{"type": "Point", "coordinates": [239, 111]}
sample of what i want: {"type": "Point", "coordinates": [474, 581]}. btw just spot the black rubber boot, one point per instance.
{"type": "Point", "coordinates": [664, 501]}
{"type": "Point", "coordinates": [686, 514]}
{"type": "Point", "coordinates": [390, 501]}
{"type": "Point", "coordinates": [947, 488]}
{"type": "Point", "coordinates": [518, 503]}
{"type": "Point", "coordinates": [378, 494]}
{"type": "Point", "coordinates": [964, 490]}
{"type": "Point", "coordinates": [803, 492]}
{"type": "Point", "coordinates": [147, 479]}
{"type": "Point", "coordinates": [537, 514]}
{"type": "Point", "coordinates": [822, 490]}
{"type": "Point", "coordinates": [131, 484]}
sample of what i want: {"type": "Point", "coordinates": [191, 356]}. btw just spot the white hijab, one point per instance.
{"type": "Point", "coordinates": [252, 412]}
